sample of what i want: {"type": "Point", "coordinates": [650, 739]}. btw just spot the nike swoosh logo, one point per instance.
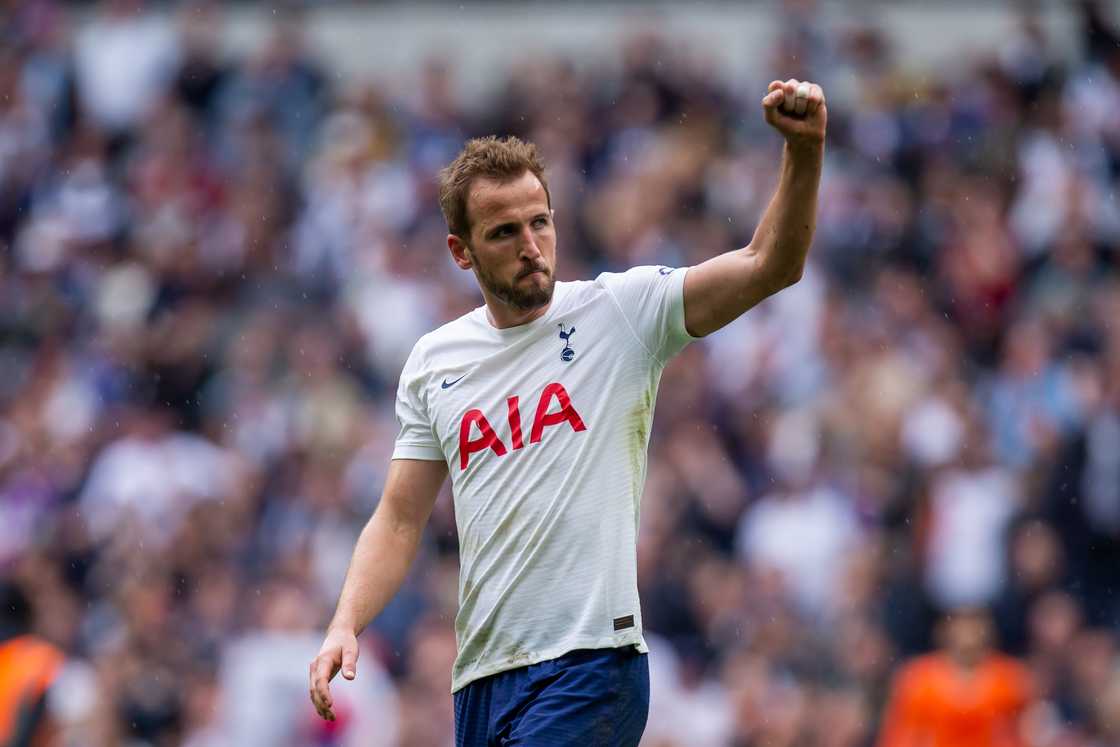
{"type": "Point", "coordinates": [448, 384]}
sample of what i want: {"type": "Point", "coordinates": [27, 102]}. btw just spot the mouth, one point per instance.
{"type": "Point", "coordinates": [530, 274]}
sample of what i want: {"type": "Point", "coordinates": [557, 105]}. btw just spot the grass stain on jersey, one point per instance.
{"type": "Point", "coordinates": [640, 418]}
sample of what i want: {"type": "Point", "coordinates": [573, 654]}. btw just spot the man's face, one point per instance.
{"type": "Point", "coordinates": [967, 635]}
{"type": "Point", "coordinates": [512, 246]}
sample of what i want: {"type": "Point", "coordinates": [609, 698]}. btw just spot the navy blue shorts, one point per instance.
{"type": "Point", "coordinates": [584, 698]}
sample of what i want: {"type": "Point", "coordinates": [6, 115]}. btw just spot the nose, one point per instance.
{"type": "Point", "coordinates": [528, 248]}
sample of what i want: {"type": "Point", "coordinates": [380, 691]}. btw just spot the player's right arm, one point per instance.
{"type": "Point", "coordinates": [382, 556]}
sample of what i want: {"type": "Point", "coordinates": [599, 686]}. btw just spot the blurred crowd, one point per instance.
{"type": "Point", "coordinates": [213, 265]}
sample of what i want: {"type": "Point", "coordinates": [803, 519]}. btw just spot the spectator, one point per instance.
{"type": "Point", "coordinates": [28, 667]}
{"type": "Point", "coordinates": [124, 59]}
{"type": "Point", "coordinates": [966, 695]}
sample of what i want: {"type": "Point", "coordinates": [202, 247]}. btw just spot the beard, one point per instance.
{"type": "Point", "coordinates": [520, 298]}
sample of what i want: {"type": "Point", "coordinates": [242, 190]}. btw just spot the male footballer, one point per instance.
{"type": "Point", "coordinates": [539, 405]}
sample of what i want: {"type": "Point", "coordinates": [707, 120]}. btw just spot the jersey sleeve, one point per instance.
{"type": "Point", "coordinates": [417, 438]}
{"type": "Point", "coordinates": [651, 298]}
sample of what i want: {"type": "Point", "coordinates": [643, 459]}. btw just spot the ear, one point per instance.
{"type": "Point", "coordinates": [460, 252]}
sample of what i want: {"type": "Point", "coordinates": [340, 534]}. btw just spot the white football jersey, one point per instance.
{"type": "Point", "coordinates": [544, 428]}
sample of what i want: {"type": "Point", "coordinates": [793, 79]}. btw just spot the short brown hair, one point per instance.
{"type": "Point", "coordinates": [490, 157]}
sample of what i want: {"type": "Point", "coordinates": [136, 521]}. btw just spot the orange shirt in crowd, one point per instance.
{"type": "Point", "coordinates": [935, 703]}
{"type": "Point", "coordinates": [28, 665]}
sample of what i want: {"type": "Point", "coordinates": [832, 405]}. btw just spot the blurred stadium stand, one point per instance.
{"type": "Point", "coordinates": [219, 238]}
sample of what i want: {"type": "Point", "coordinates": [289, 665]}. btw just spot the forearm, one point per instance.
{"type": "Point", "coordinates": [781, 241]}
{"type": "Point", "coordinates": [719, 290]}
{"type": "Point", "coordinates": [382, 556]}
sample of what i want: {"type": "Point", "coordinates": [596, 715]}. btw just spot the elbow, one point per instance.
{"type": "Point", "coordinates": [389, 523]}
{"type": "Point", "coordinates": [793, 277]}
{"type": "Point", "coordinates": [779, 277]}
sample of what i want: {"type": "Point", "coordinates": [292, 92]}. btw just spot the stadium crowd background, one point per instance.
{"type": "Point", "coordinates": [213, 266]}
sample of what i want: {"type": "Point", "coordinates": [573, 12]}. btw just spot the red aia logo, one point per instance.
{"type": "Point", "coordinates": [487, 439]}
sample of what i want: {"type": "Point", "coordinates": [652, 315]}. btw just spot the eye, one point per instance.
{"type": "Point", "coordinates": [540, 222]}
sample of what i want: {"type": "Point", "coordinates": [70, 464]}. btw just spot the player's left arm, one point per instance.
{"type": "Point", "coordinates": [721, 289]}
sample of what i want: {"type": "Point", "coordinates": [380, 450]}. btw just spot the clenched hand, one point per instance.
{"type": "Point", "coordinates": [797, 110]}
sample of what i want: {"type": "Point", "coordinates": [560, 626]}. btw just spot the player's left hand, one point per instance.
{"type": "Point", "coordinates": [796, 109]}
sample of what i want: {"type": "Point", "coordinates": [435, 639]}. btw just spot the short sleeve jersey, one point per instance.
{"type": "Point", "coordinates": [544, 429]}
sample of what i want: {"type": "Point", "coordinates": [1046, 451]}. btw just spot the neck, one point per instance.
{"type": "Point", "coordinates": [503, 316]}
{"type": "Point", "coordinates": [967, 661]}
